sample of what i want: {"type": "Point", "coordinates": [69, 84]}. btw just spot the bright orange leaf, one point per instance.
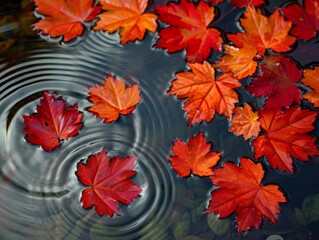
{"type": "Point", "coordinates": [311, 79]}
{"type": "Point", "coordinates": [128, 16]}
{"type": "Point", "coordinates": [194, 156]}
{"type": "Point", "coordinates": [188, 28]}
{"type": "Point", "coordinates": [263, 32]}
{"type": "Point", "coordinates": [65, 17]}
{"type": "Point", "coordinates": [240, 191]}
{"type": "Point", "coordinates": [245, 122]}
{"type": "Point", "coordinates": [238, 61]}
{"type": "Point", "coordinates": [285, 135]}
{"type": "Point", "coordinates": [113, 99]}
{"type": "Point", "coordinates": [205, 93]}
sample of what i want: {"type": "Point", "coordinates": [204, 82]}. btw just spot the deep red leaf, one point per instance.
{"type": "Point", "coordinates": [52, 123]}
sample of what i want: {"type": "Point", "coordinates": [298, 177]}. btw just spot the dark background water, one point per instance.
{"type": "Point", "coordinates": [39, 192]}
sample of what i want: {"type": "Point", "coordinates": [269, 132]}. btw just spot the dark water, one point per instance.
{"type": "Point", "coordinates": [39, 192]}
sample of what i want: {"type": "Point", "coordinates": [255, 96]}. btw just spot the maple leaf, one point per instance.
{"type": "Point", "coordinates": [113, 99]}
{"type": "Point", "coordinates": [311, 79]}
{"type": "Point", "coordinates": [244, 3]}
{"type": "Point", "coordinates": [128, 16]}
{"type": "Point", "coordinates": [188, 28]}
{"type": "Point", "coordinates": [240, 191]}
{"type": "Point", "coordinates": [215, 1]}
{"type": "Point", "coordinates": [285, 136]}
{"type": "Point", "coordinates": [205, 94]}
{"type": "Point", "coordinates": [305, 19]}
{"type": "Point", "coordinates": [65, 17]}
{"type": "Point", "coordinates": [277, 80]}
{"type": "Point", "coordinates": [194, 156]}
{"type": "Point", "coordinates": [245, 122]}
{"type": "Point", "coordinates": [108, 182]}
{"type": "Point", "coordinates": [52, 123]}
{"type": "Point", "coordinates": [263, 32]}
{"type": "Point", "coordinates": [239, 61]}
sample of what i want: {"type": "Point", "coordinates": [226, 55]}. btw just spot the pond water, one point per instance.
{"type": "Point", "coordinates": [39, 192]}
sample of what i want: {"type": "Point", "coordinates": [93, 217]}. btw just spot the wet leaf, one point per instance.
{"type": "Point", "coordinates": [195, 156]}
{"type": "Point", "coordinates": [182, 227]}
{"type": "Point", "coordinates": [305, 19]}
{"type": "Point", "coordinates": [245, 122]}
{"type": "Point", "coordinates": [108, 182]}
{"type": "Point", "coordinates": [244, 3]}
{"type": "Point", "coordinates": [300, 216]}
{"type": "Point", "coordinates": [52, 123]}
{"type": "Point", "coordinates": [188, 28]}
{"type": "Point", "coordinates": [240, 191]}
{"type": "Point", "coordinates": [263, 32]}
{"type": "Point", "coordinates": [238, 61]}
{"type": "Point", "coordinates": [277, 81]}
{"type": "Point", "coordinates": [113, 99]}
{"type": "Point", "coordinates": [127, 16]}
{"type": "Point", "coordinates": [64, 17]}
{"type": "Point", "coordinates": [285, 135]}
{"type": "Point", "coordinates": [311, 79]}
{"type": "Point", "coordinates": [205, 93]}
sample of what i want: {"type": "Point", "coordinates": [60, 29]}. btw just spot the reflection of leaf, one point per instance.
{"type": "Point", "coordinates": [311, 79]}
{"type": "Point", "coordinates": [277, 81]}
{"type": "Point", "coordinates": [263, 32]}
{"type": "Point", "coordinates": [285, 135]}
{"type": "Point", "coordinates": [205, 93]}
{"type": "Point", "coordinates": [240, 192]}
{"type": "Point", "coordinates": [195, 156]}
{"type": "Point", "coordinates": [305, 19]}
{"type": "Point", "coordinates": [64, 17]}
{"type": "Point", "coordinates": [108, 182]}
{"type": "Point", "coordinates": [245, 122]}
{"type": "Point", "coordinates": [188, 28]}
{"type": "Point", "coordinates": [52, 123]}
{"type": "Point", "coordinates": [310, 208]}
{"type": "Point", "coordinates": [113, 99]}
{"type": "Point", "coordinates": [238, 61]}
{"type": "Point", "coordinates": [128, 16]}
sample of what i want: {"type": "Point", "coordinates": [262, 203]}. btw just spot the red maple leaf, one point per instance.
{"type": "Point", "coordinates": [108, 182]}
{"type": "Point", "coordinates": [64, 17]}
{"type": "Point", "coordinates": [194, 156]}
{"type": "Point", "coordinates": [285, 135]}
{"type": "Point", "coordinates": [305, 19]}
{"type": "Point", "coordinates": [52, 123]}
{"type": "Point", "coordinates": [277, 81]}
{"type": "Point", "coordinates": [244, 3]}
{"type": "Point", "coordinates": [188, 28]}
{"type": "Point", "coordinates": [240, 191]}
{"type": "Point", "coordinates": [263, 32]}
{"type": "Point", "coordinates": [113, 99]}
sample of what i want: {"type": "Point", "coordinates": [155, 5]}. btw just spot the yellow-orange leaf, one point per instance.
{"type": "Point", "coordinates": [205, 93]}
{"type": "Point", "coordinates": [263, 32]}
{"type": "Point", "coordinates": [113, 99]}
{"type": "Point", "coordinates": [128, 16]}
{"type": "Point", "coordinates": [245, 122]}
{"type": "Point", "coordinates": [311, 78]}
{"type": "Point", "coordinates": [239, 61]}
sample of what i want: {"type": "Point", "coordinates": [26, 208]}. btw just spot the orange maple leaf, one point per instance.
{"type": "Point", "coordinates": [285, 135]}
{"type": "Point", "coordinates": [311, 79]}
{"type": "Point", "coordinates": [205, 94]}
{"type": "Point", "coordinates": [239, 61]}
{"type": "Point", "coordinates": [65, 17]}
{"type": "Point", "coordinates": [113, 99]}
{"type": "Point", "coordinates": [240, 191]}
{"type": "Point", "coordinates": [128, 16]}
{"type": "Point", "coordinates": [195, 156]}
{"type": "Point", "coordinates": [263, 32]}
{"type": "Point", "coordinates": [245, 122]}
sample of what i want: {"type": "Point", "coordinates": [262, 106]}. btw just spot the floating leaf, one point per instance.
{"type": "Point", "coordinates": [311, 79]}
